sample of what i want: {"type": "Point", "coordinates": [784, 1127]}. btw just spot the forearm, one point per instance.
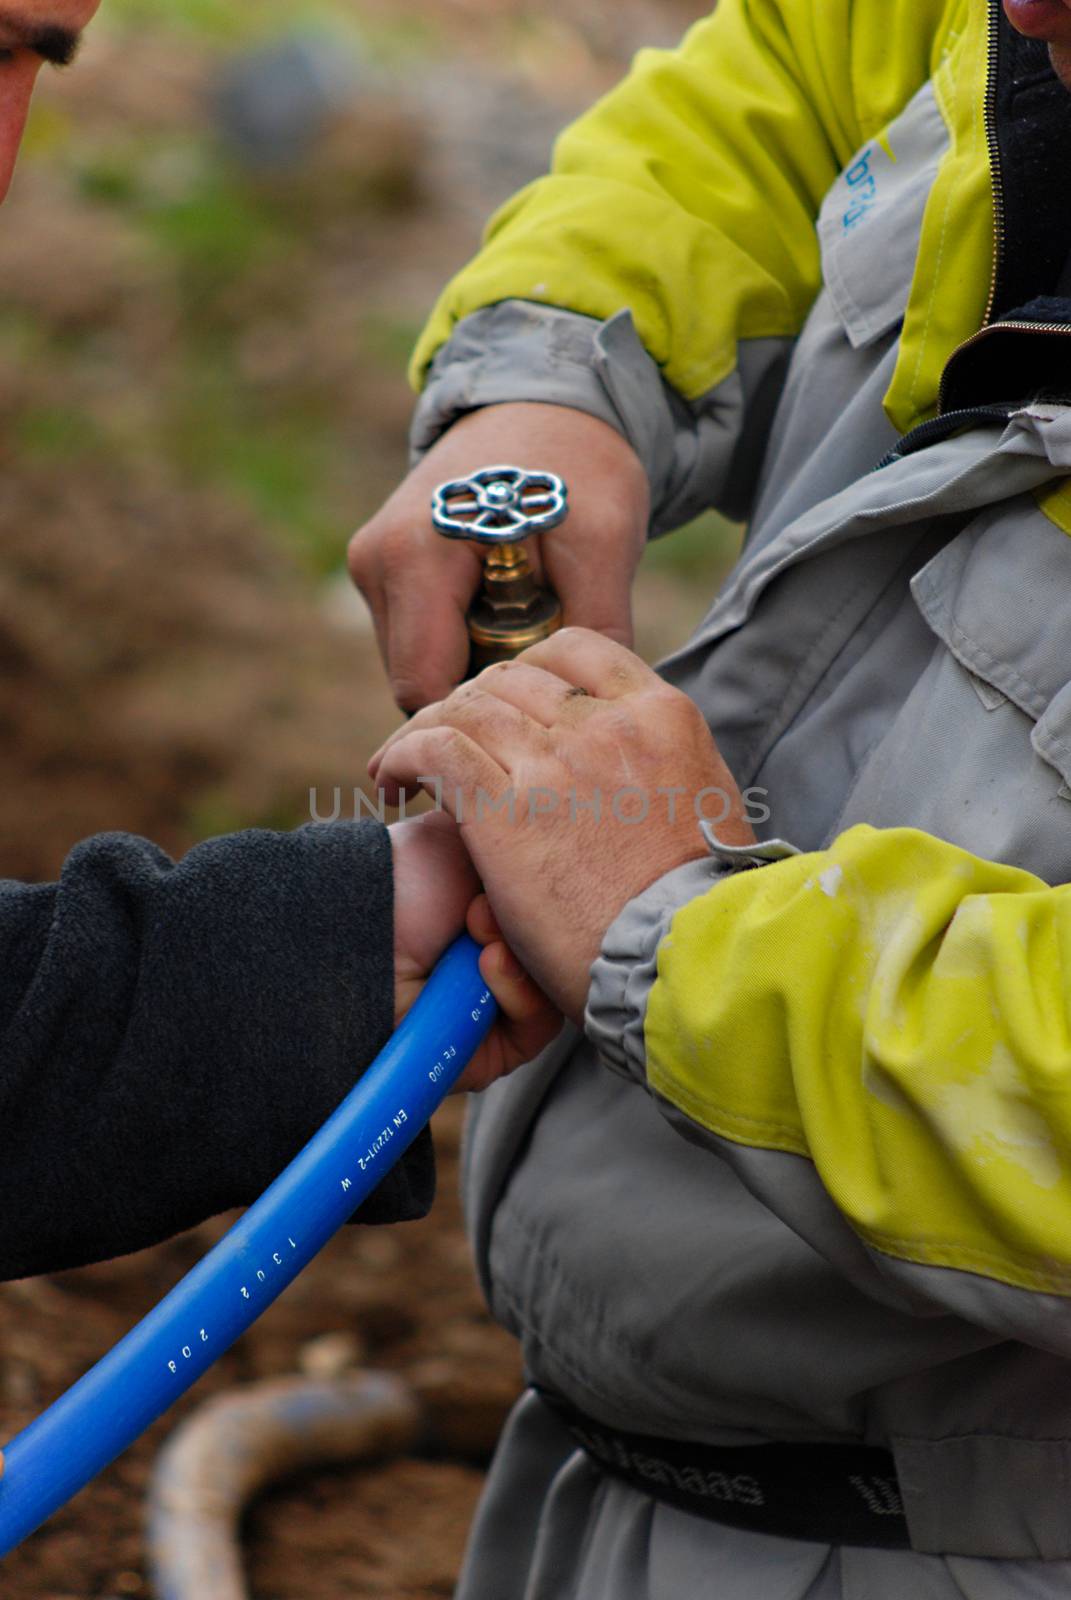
{"type": "Point", "coordinates": [688, 194]}
{"type": "Point", "coordinates": [893, 1013]}
{"type": "Point", "coordinates": [696, 454]}
{"type": "Point", "coordinates": [170, 1035]}
{"type": "Point", "coordinates": [658, 275]}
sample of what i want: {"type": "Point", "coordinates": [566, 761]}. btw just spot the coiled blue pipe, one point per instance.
{"type": "Point", "coordinates": [169, 1349]}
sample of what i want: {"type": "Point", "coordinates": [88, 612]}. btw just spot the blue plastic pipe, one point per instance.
{"type": "Point", "coordinates": [223, 1295]}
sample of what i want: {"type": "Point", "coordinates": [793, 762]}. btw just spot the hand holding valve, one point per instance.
{"type": "Point", "coordinates": [499, 508]}
{"type": "Point", "coordinates": [419, 586]}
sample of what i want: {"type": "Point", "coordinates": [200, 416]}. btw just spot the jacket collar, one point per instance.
{"type": "Point", "coordinates": [985, 320]}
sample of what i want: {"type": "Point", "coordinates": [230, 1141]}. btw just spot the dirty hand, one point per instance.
{"type": "Point", "coordinates": [418, 585]}
{"type": "Point", "coordinates": [577, 777]}
{"type": "Point", "coordinates": [434, 884]}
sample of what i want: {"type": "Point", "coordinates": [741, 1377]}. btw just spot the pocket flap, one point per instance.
{"type": "Point", "coordinates": [1051, 738]}
{"type": "Point", "coordinates": [999, 597]}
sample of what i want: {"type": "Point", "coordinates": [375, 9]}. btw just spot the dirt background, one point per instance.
{"type": "Point", "coordinates": [201, 392]}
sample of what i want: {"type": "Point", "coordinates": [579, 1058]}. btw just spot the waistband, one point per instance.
{"type": "Point", "coordinates": [827, 1493]}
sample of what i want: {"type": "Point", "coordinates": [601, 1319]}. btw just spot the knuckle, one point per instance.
{"type": "Point", "coordinates": [493, 673]}
{"type": "Point", "coordinates": [360, 555]}
{"type": "Point", "coordinates": [462, 701]}
{"type": "Point", "coordinates": [669, 701]}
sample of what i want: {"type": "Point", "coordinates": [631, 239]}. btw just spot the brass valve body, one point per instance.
{"type": "Point", "coordinates": [511, 611]}
{"type": "Point", "coordinates": [496, 509]}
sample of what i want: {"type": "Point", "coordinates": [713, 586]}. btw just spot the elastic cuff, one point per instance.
{"type": "Point", "coordinates": [519, 351]}
{"type": "Point", "coordinates": [510, 353]}
{"type": "Point", "coordinates": [696, 453]}
{"type": "Point", "coordinates": [625, 970]}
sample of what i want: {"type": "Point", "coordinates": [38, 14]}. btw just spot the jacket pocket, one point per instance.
{"type": "Point", "coordinates": [871, 220]}
{"type": "Point", "coordinates": [999, 597]}
{"type": "Point", "coordinates": [1052, 740]}
{"type": "Point", "coordinates": [980, 751]}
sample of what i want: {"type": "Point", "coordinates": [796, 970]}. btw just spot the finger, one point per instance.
{"type": "Point", "coordinates": [364, 573]}
{"type": "Point", "coordinates": [594, 593]}
{"type": "Point", "coordinates": [527, 1022]}
{"type": "Point", "coordinates": [372, 595]}
{"type": "Point", "coordinates": [446, 764]}
{"type": "Point", "coordinates": [420, 720]}
{"type": "Point", "coordinates": [541, 695]}
{"type": "Point", "coordinates": [481, 921]}
{"type": "Point", "coordinates": [519, 997]}
{"type": "Point", "coordinates": [432, 716]}
{"type": "Point", "coordinates": [502, 729]}
{"type": "Point", "coordinates": [589, 661]}
{"type": "Point", "coordinates": [434, 883]}
{"type": "Point", "coordinates": [427, 637]}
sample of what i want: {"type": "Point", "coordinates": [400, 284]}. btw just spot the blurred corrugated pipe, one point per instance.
{"type": "Point", "coordinates": [239, 1443]}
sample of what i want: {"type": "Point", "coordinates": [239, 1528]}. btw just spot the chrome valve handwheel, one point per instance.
{"type": "Point", "coordinates": [499, 505]}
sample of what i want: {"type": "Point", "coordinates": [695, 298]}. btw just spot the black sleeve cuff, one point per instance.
{"type": "Point", "coordinates": [181, 1031]}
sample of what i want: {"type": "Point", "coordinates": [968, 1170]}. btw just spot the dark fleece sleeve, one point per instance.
{"type": "Point", "coordinates": [171, 1035]}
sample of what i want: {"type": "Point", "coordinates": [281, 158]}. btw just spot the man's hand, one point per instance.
{"type": "Point", "coordinates": [434, 885]}
{"type": "Point", "coordinates": [577, 777]}
{"type": "Point", "coordinates": [419, 585]}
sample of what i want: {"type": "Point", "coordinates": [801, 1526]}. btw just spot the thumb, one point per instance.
{"type": "Point", "coordinates": [592, 576]}
{"type": "Point", "coordinates": [591, 559]}
{"type": "Point", "coordinates": [434, 882]}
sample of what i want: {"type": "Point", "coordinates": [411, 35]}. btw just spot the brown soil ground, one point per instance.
{"type": "Point", "coordinates": [408, 1296]}
{"type": "Point", "coordinates": [167, 667]}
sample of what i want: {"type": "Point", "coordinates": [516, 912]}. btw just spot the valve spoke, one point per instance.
{"type": "Point", "coordinates": [499, 505]}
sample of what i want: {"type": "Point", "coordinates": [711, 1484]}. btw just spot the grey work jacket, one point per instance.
{"type": "Point", "coordinates": [891, 648]}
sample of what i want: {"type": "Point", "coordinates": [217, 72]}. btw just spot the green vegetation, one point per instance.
{"type": "Point", "coordinates": [229, 263]}
{"type": "Point", "coordinates": [221, 23]}
{"type": "Point", "coordinates": [700, 552]}
{"type": "Point", "coordinates": [55, 433]}
{"type": "Point", "coordinates": [381, 37]}
{"type": "Point", "coordinates": [208, 357]}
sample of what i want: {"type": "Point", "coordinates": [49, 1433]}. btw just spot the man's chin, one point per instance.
{"type": "Point", "coordinates": [1040, 19]}
{"type": "Point", "coordinates": [1050, 21]}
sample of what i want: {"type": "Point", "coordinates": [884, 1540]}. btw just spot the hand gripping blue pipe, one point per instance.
{"type": "Point", "coordinates": [224, 1294]}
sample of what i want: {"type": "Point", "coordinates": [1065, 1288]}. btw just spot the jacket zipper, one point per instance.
{"type": "Point", "coordinates": [947, 422]}
{"type": "Point", "coordinates": [996, 175]}
{"type": "Point", "coordinates": [996, 178]}
{"type": "Point", "coordinates": [996, 183]}
{"type": "Point", "coordinates": [1014, 327]}
{"type": "Point", "coordinates": [940, 428]}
